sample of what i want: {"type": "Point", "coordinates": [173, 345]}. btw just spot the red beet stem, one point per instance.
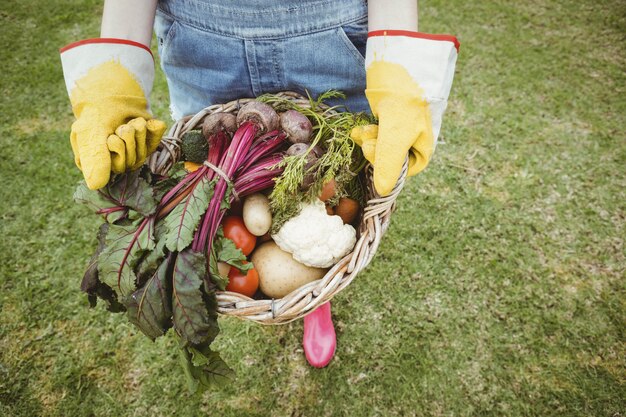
{"type": "Point", "coordinates": [187, 179]}
{"type": "Point", "coordinates": [263, 146]}
{"type": "Point", "coordinates": [230, 161]}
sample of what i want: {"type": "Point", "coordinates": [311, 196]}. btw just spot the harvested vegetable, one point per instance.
{"type": "Point", "coordinates": [235, 230]}
{"type": "Point", "coordinates": [314, 238]}
{"type": "Point", "coordinates": [303, 176]}
{"type": "Point", "coordinates": [218, 122]}
{"type": "Point", "coordinates": [297, 149]}
{"type": "Point", "coordinates": [279, 273]}
{"type": "Point", "coordinates": [223, 268]}
{"type": "Point", "coordinates": [297, 126]}
{"type": "Point", "coordinates": [194, 147]}
{"type": "Point", "coordinates": [245, 283]}
{"type": "Point", "coordinates": [256, 214]}
{"type": "Point", "coordinates": [328, 190]}
{"type": "Point", "coordinates": [311, 155]}
{"type": "Point", "coordinates": [262, 115]}
{"type": "Point", "coordinates": [159, 252]}
{"type": "Point", "coordinates": [191, 166]}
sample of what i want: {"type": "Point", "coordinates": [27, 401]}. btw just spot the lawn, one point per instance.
{"type": "Point", "coordinates": [499, 289]}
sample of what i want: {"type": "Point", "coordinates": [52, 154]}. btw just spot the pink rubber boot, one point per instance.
{"type": "Point", "coordinates": [319, 340]}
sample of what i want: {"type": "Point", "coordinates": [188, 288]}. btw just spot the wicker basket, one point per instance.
{"type": "Point", "coordinates": [297, 304]}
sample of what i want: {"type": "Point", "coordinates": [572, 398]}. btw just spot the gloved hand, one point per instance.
{"type": "Point", "coordinates": [409, 76]}
{"type": "Point", "coordinates": [108, 81]}
{"type": "Point", "coordinates": [133, 142]}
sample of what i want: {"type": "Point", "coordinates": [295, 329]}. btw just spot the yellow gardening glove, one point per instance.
{"type": "Point", "coordinates": [365, 137]}
{"type": "Point", "coordinates": [122, 146]}
{"type": "Point", "coordinates": [133, 142]}
{"type": "Point", "coordinates": [404, 87]}
{"type": "Point", "coordinates": [404, 125]}
{"type": "Point", "coordinates": [113, 131]}
{"type": "Point", "coordinates": [107, 97]}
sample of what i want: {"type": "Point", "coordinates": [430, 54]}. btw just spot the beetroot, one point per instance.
{"type": "Point", "coordinates": [297, 126]}
{"type": "Point", "coordinates": [261, 114]}
{"type": "Point", "coordinates": [311, 160]}
{"type": "Point", "coordinates": [216, 122]}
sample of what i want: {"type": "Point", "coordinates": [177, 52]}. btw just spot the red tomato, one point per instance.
{"type": "Point", "coordinates": [235, 230]}
{"type": "Point", "coordinates": [243, 284]}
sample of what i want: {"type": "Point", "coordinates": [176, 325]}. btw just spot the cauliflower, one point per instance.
{"type": "Point", "coordinates": [314, 238]}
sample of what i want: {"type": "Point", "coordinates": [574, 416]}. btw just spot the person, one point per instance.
{"type": "Point", "coordinates": [215, 51]}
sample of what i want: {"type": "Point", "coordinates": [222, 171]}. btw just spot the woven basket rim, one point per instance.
{"type": "Point", "coordinates": [374, 222]}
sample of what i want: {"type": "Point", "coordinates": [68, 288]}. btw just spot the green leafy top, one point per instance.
{"type": "Point", "coordinates": [182, 222]}
{"type": "Point", "coordinates": [128, 191]}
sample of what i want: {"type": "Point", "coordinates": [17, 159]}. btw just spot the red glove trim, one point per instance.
{"type": "Point", "coordinates": [421, 35]}
{"type": "Point", "coordinates": [105, 40]}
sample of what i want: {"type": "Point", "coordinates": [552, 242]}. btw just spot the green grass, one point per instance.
{"type": "Point", "coordinates": [499, 288]}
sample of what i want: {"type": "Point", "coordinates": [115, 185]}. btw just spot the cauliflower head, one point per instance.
{"type": "Point", "coordinates": [315, 238]}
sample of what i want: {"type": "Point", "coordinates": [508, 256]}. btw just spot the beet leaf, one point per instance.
{"type": "Point", "coordinates": [92, 285]}
{"type": "Point", "coordinates": [149, 263]}
{"type": "Point", "coordinates": [99, 203]}
{"type": "Point", "coordinates": [194, 311]}
{"type": "Point", "coordinates": [150, 307]}
{"type": "Point", "coordinates": [183, 220]}
{"type": "Point", "coordinates": [124, 247]}
{"type": "Point", "coordinates": [204, 368]}
{"type": "Point", "coordinates": [123, 192]}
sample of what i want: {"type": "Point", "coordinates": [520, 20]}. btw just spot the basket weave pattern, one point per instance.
{"type": "Point", "coordinates": [374, 222]}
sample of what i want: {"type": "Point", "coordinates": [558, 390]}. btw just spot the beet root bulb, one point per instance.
{"type": "Point", "coordinates": [217, 122]}
{"type": "Point", "coordinates": [297, 126]}
{"type": "Point", "coordinates": [263, 115]}
{"type": "Point", "coordinates": [311, 160]}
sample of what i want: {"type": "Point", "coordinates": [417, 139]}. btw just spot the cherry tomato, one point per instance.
{"type": "Point", "coordinates": [243, 284]}
{"type": "Point", "coordinates": [235, 230]}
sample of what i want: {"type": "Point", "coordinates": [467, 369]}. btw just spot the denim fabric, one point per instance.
{"type": "Point", "coordinates": [215, 51]}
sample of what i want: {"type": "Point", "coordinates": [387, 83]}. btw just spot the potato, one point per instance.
{"type": "Point", "coordinates": [256, 214]}
{"type": "Point", "coordinates": [279, 273]}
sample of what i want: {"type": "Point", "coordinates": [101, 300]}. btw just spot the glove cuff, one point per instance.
{"type": "Point", "coordinates": [417, 35]}
{"type": "Point", "coordinates": [429, 59]}
{"type": "Point", "coordinates": [79, 57]}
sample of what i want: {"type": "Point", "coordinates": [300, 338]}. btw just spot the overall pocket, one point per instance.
{"type": "Point", "coordinates": [327, 60]}
{"type": "Point", "coordinates": [355, 36]}
{"type": "Point", "coordinates": [164, 30]}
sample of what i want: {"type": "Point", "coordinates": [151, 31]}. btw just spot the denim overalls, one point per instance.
{"type": "Point", "coordinates": [215, 51]}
